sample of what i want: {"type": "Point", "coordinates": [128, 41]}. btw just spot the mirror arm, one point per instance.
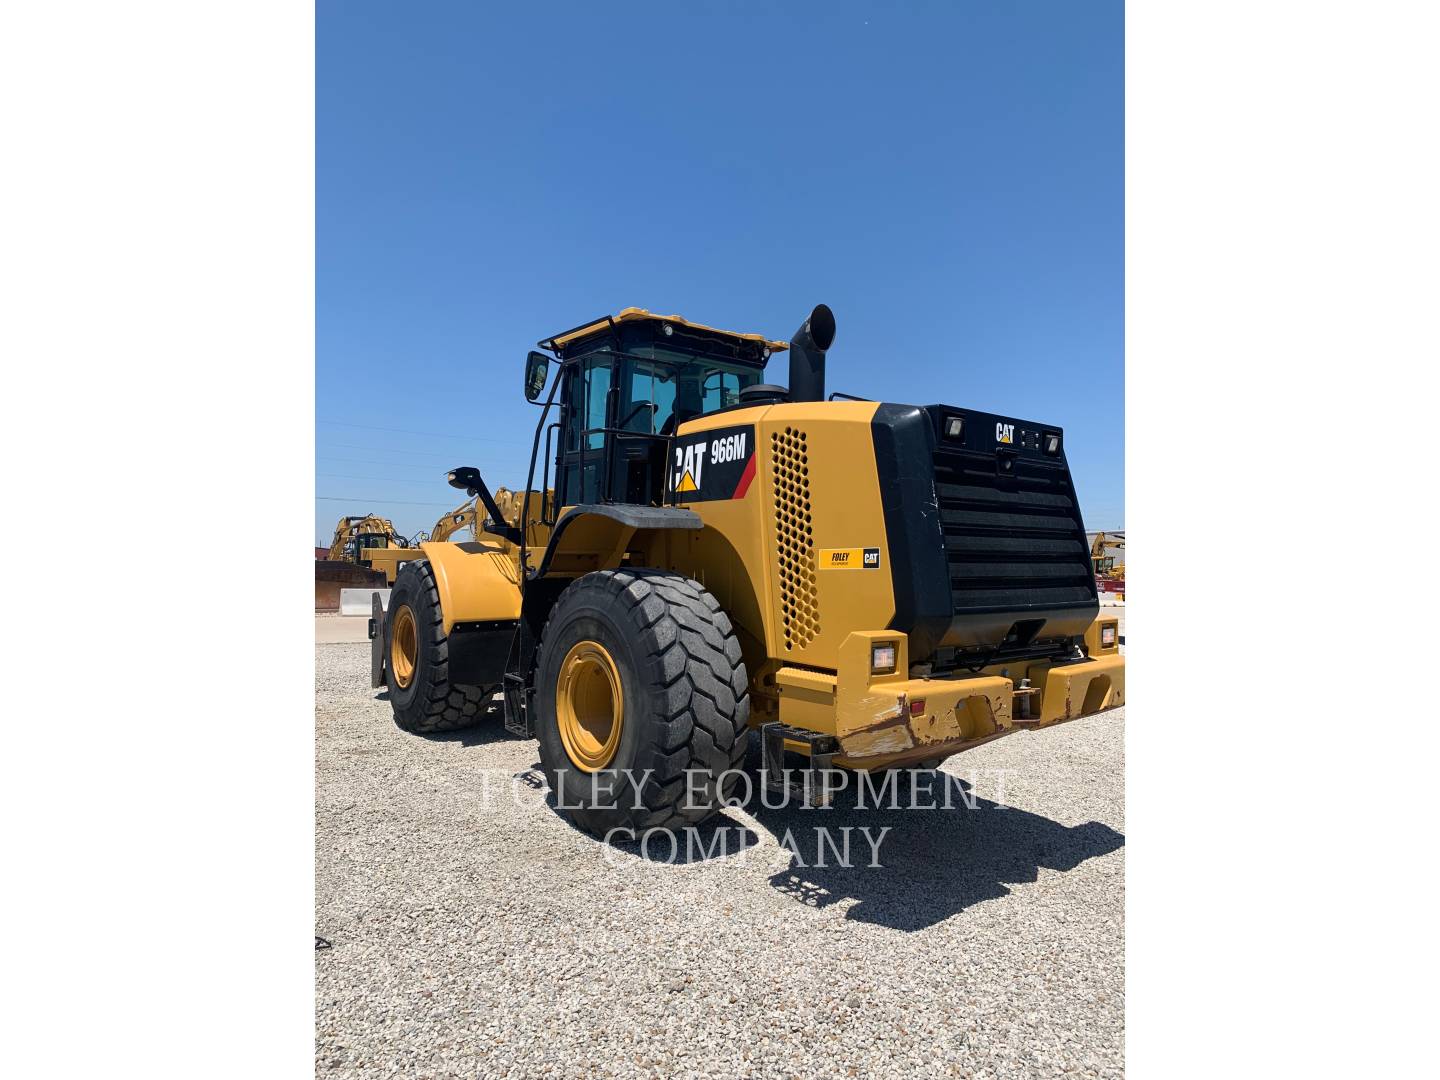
{"type": "Point", "coordinates": [469, 478]}
{"type": "Point", "coordinates": [502, 527]}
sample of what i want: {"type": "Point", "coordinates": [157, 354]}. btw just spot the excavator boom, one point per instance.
{"type": "Point", "coordinates": [462, 517]}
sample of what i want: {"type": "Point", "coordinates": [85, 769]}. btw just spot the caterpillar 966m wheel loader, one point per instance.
{"type": "Point", "coordinates": [869, 584]}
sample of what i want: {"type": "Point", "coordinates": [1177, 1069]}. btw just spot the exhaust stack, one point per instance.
{"type": "Point", "coordinates": [807, 355]}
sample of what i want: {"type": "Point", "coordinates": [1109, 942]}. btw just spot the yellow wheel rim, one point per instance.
{"type": "Point", "coordinates": [404, 646]}
{"type": "Point", "coordinates": [589, 706]}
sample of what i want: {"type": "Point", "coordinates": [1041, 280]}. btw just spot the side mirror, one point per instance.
{"type": "Point", "coordinates": [466, 478]}
{"type": "Point", "coordinates": [537, 372]}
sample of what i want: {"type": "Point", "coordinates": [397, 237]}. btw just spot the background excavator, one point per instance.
{"type": "Point", "coordinates": [462, 517]}
{"type": "Point", "coordinates": [355, 535]}
{"type": "Point", "coordinates": [350, 562]}
{"type": "Point", "coordinates": [367, 551]}
{"type": "Point", "coordinates": [1109, 574]}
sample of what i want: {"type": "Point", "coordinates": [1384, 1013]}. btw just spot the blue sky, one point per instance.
{"type": "Point", "coordinates": [948, 177]}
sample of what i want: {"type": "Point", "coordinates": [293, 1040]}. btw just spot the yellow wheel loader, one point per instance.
{"type": "Point", "coordinates": [872, 585]}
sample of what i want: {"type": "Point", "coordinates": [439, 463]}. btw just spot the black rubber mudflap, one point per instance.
{"type": "Point", "coordinates": [377, 642]}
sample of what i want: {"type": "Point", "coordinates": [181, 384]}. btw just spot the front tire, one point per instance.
{"type": "Point", "coordinates": [642, 702]}
{"type": "Point", "coordinates": [417, 660]}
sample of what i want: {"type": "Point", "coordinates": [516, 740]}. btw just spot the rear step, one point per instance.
{"type": "Point", "coordinates": [519, 700]}
{"type": "Point", "coordinates": [811, 790]}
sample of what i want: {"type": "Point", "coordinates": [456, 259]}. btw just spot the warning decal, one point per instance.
{"type": "Point", "coordinates": [718, 464]}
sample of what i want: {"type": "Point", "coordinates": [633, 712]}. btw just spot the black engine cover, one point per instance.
{"type": "Point", "coordinates": [988, 554]}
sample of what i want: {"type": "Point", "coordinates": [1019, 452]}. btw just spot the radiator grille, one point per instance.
{"type": "Point", "coordinates": [1013, 541]}
{"type": "Point", "coordinates": [794, 547]}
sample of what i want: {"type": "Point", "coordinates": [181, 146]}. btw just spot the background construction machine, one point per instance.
{"type": "Point", "coordinates": [367, 552]}
{"type": "Point", "coordinates": [357, 535]}
{"type": "Point", "coordinates": [462, 517]}
{"type": "Point", "coordinates": [870, 584]}
{"type": "Point", "coordinates": [371, 542]}
{"type": "Point", "coordinates": [1109, 574]}
{"type": "Point", "coordinates": [350, 562]}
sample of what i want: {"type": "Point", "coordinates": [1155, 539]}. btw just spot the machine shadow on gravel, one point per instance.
{"type": "Point", "coordinates": [718, 838]}
{"type": "Point", "coordinates": [488, 728]}
{"type": "Point", "coordinates": [935, 863]}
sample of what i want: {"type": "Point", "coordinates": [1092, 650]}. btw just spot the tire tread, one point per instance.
{"type": "Point", "coordinates": [700, 695]}
{"type": "Point", "coordinates": [448, 707]}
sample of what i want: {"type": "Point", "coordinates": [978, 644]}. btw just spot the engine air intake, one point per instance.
{"type": "Point", "coordinates": [794, 544]}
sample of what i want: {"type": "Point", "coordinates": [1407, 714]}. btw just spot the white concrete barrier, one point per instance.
{"type": "Point", "coordinates": [357, 601]}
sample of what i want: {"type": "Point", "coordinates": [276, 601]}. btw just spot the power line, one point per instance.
{"type": "Point", "coordinates": [382, 502]}
{"type": "Point", "coordinates": [392, 450]}
{"type": "Point", "coordinates": [389, 464]}
{"type": "Point", "coordinates": [411, 431]}
{"type": "Point", "coordinates": [434, 470]}
{"type": "Point", "coordinates": [380, 479]}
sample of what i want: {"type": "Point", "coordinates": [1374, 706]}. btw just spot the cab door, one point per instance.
{"type": "Point", "coordinates": [647, 407]}
{"type": "Point", "coordinates": [589, 395]}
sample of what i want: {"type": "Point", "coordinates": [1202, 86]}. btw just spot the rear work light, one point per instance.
{"type": "Point", "coordinates": [1107, 635]}
{"type": "Point", "coordinates": [955, 427]}
{"type": "Point", "coordinates": [882, 658]}
{"type": "Point", "coordinates": [1052, 444]}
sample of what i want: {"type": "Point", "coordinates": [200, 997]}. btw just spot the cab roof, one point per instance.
{"type": "Point", "coordinates": [634, 314]}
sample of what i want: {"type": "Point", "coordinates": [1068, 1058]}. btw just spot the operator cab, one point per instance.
{"type": "Point", "coordinates": [364, 542]}
{"type": "Point", "coordinates": [627, 382]}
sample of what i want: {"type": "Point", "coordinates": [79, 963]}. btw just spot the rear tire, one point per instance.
{"type": "Point", "coordinates": [638, 682]}
{"type": "Point", "coordinates": [417, 667]}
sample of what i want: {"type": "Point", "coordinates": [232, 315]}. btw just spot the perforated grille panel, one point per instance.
{"type": "Point", "coordinates": [794, 545]}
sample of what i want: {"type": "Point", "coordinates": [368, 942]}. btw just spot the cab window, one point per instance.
{"type": "Point", "coordinates": [683, 385]}
{"type": "Point", "coordinates": [719, 390]}
{"type": "Point", "coordinates": [656, 384]}
{"type": "Point", "coordinates": [589, 387]}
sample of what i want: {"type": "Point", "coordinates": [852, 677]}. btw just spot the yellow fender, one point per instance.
{"type": "Point", "coordinates": [477, 582]}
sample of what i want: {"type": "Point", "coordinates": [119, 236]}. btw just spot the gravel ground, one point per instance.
{"type": "Point", "coordinates": [479, 935]}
